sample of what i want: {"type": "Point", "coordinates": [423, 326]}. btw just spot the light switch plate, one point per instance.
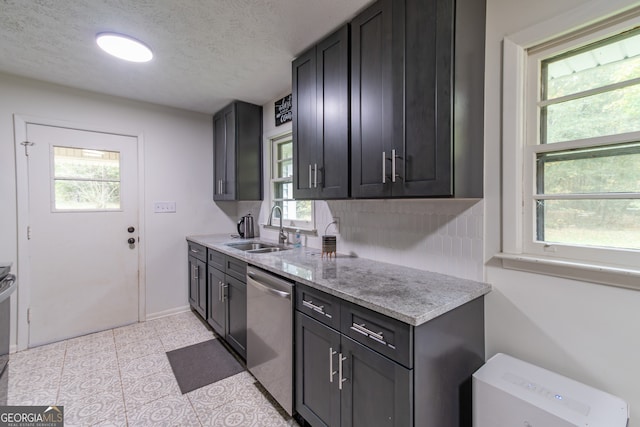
{"type": "Point", "coordinates": [164, 207]}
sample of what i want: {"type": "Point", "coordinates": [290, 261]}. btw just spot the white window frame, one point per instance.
{"type": "Point", "coordinates": [519, 250]}
{"type": "Point", "coordinates": [292, 225]}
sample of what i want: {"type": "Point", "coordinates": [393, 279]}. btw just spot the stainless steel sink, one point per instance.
{"type": "Point", "coordinates": [257, 247]}
{"type": "Point", "coordinates": [267, 250]}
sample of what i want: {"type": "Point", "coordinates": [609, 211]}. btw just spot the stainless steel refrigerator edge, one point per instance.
{"type": "Point", "coordinates": [8, 285]}
{"type": "Point", "coordinates": [270, 334]}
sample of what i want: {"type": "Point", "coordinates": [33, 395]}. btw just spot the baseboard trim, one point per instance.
{"type": "Point", "coordinates": [165, 313]}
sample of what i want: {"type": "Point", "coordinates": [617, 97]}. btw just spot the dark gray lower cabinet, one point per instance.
{"type": "Point", "coordinates": [342, 382]}
{"type": "Point", "coordinates": [217, 312]}
{"type": "Point", "coordinates": [227, 303]}
{"type": "Point", "coordinates": [373, 370]}
{"type": "Point", "coordinates": [237, 315]}
{"type": "Point", "coordinates": [376, 390]}
{"type": "Point", "coordinates": [197, 278]}
{"type": "Point", "coordinates": [317, 392]}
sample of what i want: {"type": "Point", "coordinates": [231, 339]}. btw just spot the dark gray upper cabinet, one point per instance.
{"type": "Point", "coordinates": [320, 100]}
{"type": "Point", "coordinates": [237, 152]}
{"type": "Point", "coordinates": [417, 99]}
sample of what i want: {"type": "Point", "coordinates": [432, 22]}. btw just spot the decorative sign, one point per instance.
{"type": "Point", "coordinates": [283, 110]}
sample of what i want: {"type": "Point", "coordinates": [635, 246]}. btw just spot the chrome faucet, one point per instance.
{"type": "Point", "coordinates": [282, 238]}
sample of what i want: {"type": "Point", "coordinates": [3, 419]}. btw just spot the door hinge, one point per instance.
{"type": "Point", "coordinates": [28, 315]}
{"type": "Point", "coordinates": [26, 145]}
{"type": "Point", "coordinates": [28, 232]}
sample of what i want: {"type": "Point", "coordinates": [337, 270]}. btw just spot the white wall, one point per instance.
{"type": "Point", "coordinates": [585, 331]}
{"type": "Point", "coordinates": [178, 162]}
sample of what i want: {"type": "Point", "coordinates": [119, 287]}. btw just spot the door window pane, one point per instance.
{"type": "Point", "coordinates": [86, 179]}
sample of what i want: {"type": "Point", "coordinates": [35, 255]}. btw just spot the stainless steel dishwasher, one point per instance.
{"type": "Point", "coordinates": [270, 334]}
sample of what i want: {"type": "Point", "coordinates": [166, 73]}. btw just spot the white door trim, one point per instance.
{"type": "Point", "coordinates": [22, 202]}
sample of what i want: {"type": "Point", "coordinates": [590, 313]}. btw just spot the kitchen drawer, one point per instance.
{"type": "Point", "coordinates": [387, 336]}
{"type": "Point", "coordinates": [216, 260]}
{"type": "Point", "coordinates": [197, 251]}
{"type": "Point", "coordinates": [236, 268]}
{"type": "Point", "coordinates": [319, 305]}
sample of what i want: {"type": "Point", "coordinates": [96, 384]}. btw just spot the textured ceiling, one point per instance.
{"type": "Point", "coordinates": [207, 52]}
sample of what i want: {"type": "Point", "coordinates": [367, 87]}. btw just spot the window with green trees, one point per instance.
{"type": "Point", "coordinates": [584, 144]}
{"type": "Point", "coordinates": [295, 213]}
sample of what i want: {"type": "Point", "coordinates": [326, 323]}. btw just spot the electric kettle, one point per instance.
{"type": "Point", "coordinates": [245, 227]}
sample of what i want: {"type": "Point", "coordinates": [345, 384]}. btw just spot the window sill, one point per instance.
{"type": "Point", "coordinates": [288, 229]}
{"type": "Point", "coordinates": [604, 274]}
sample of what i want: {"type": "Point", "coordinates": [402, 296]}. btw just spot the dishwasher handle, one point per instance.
{"type": "Point", "coordinates": [262, 282]}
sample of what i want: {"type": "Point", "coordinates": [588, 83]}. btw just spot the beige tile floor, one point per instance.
{"type": "Point", "coordinates": [122, 377]}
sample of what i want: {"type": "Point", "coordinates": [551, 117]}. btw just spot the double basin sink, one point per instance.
{"type": "Point", "coordinates": [257, 247]}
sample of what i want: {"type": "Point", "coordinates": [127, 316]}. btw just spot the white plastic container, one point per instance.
{"type": "Point", "coordinates": [508, 392]}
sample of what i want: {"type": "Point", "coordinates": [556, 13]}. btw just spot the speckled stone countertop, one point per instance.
{"type": "Point", "coordinates": [407, 294]}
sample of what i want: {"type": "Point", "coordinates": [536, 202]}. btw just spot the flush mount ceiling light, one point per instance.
{"type": "Point", "coordinates": [124, 47]}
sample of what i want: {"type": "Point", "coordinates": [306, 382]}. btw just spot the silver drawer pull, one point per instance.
{"type": "Point", "coordinates": [364, 331]}
{"type": "Point", "coordinates": [195, 251]}
{"type": "Point", "coordinates": [318, 308]}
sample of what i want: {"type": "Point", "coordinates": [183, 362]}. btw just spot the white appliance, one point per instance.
{"type": "Point", "coordinates": [508, 392]}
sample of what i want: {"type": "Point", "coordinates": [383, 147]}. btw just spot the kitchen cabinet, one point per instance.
{"type": "Point", "coordinates": [357, 367]}
{"type": "Point", "coordinates": [227, 307]}
{"type": "Point", "coordinates": [417, 99]}
{"type": "Point", "coordinates": [237, 152]}
{"type": "Point", "coordinates": [369, 389]}
{"type": "Point", "coordinates": [320, 102]}
{"type": "Point", "coordinates": [217, 310]}
{"type": "Point", "coordinates": [197, 278]}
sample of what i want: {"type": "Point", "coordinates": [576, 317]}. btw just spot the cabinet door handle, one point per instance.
{"type": "Point", "coordinates": [310, 181]}
{"type": "Point", "coordinates": [384, 167]}
{"type": "Point", "coordinates": [393, 165]}
{"type": "Point", "coordinates": [331, 371]}
{"type": "Point", "coordinates": [340, 379]}
{"type": "Point", "coordinates": [196, 270]}
{"type": "Point", "coordinates": [315, 175]}
{"type": "Point", "coordinates": [369, 333]}
{"type": "Point", "coordinates": [224, 292]}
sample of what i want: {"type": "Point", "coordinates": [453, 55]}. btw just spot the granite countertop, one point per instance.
{"type": "Point", "coordinates": [406, 294]}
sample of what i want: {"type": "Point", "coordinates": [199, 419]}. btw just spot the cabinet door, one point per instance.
{"type": "Point", "coordinates": [237, 315]}
{"type": "Point", "coordinates": [376, 391]}
{"type": "Point", "coordinates": [424, 162]}
{"type": "Point", "coordinates": [303, 101]}
{"type": "Point", "coordinates": [224, 154]}
{"type": "Point", "coordinates": [198, 286]}
{"type": "Point", "coordinates": [193, 282]}
{"type": "Point", "coordinates": [317, 392]}
{"type": "Point", "coordinates": [217, 309]}
{"type": "Point", "coordinates": [332, 158]}
{"type": "Point", "coordinates": [372, 103]}
{"type": "Point", "coordinates": [246, 173]}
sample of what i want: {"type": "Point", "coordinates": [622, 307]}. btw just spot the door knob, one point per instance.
{"type": "Point", "coordinates": [131, 240]}
{"type": "Point", "coordinates": [131, 229]}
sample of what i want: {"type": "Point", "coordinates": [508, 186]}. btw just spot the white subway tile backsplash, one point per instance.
{"type": "Point", "coordinates": [438, 235]}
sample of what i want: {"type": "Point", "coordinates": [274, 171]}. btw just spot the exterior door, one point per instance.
{"type": "Point", "coordinates": [82, 233]}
